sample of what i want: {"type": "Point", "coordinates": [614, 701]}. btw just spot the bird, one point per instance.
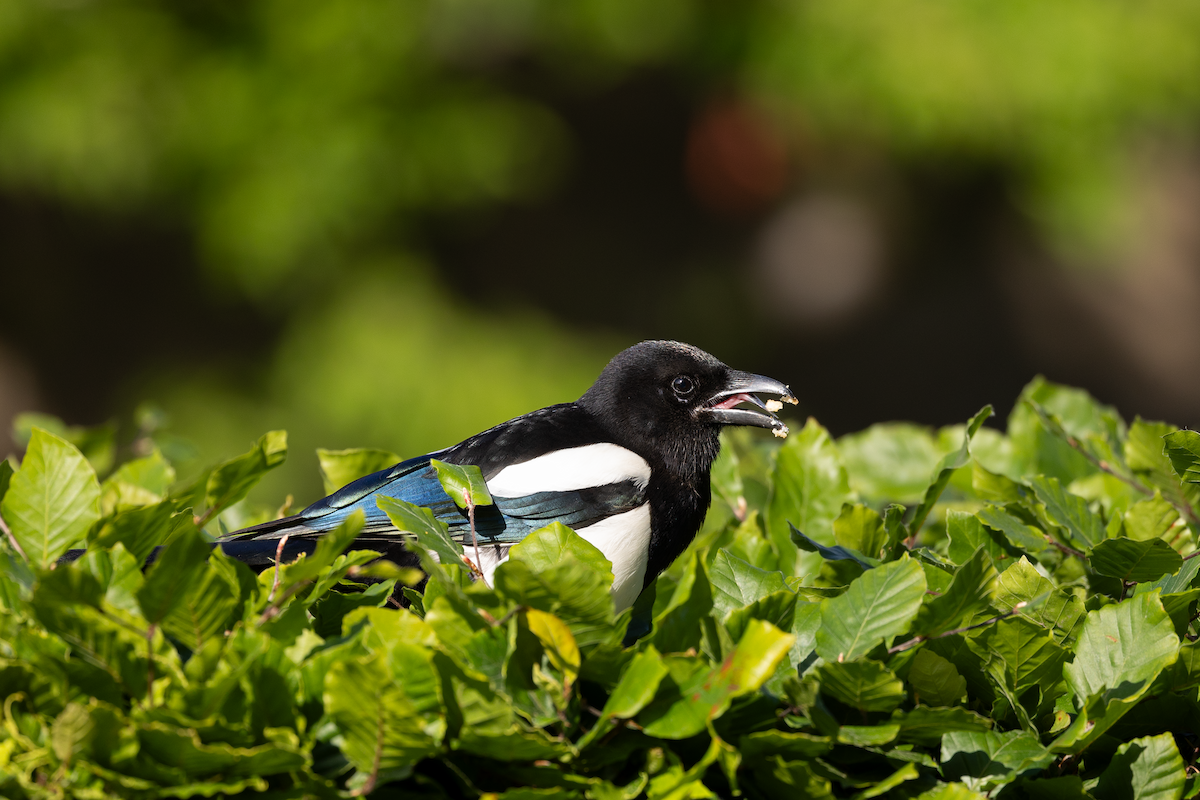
{"type": "Point", "coordinates": [626, 466]}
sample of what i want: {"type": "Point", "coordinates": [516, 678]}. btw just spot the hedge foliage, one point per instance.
{"type": "Point", "coordinates": [901, 612]}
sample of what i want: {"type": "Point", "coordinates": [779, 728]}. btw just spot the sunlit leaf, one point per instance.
{"type": "Point", "coordinates": [340, 467]}
{"type": "Point", "coordinates": [52, 499]}
{"type": "Point", "coordinates": [878, 605]}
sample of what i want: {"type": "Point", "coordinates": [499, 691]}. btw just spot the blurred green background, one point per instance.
{"type": "Point", "coordinates": [393, 224]}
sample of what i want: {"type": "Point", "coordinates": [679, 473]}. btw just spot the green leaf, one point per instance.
{"type": "Point", "coordinates": [967, 534]}
{"type": "Point", "coordinates": [1121, 650]}
{"type": "Point", "coordinates": [52, 499]}
{"type": "Point", "coordinates": [678, 626]}
{"type": "Point", "coordinates": [1123, 644]}
{"type": "Point", "coordinates": [777, 608]}
{"type": "Point", "coordinates": [1019, 654]}
{"type": "Point", "coordinates": [1025, 537]}
{"type": "Point", "coordinates": [945, 469]}
{"type": "Point", "coordinates": [970, 593]}
{"type": "Point", "coordinates": [927, 726]}
{"type": "Point", "coordinates": [879, 605]}
{"type": "Point", "coordinates": [232, 480]}
{"type": "Point", "coordinates": [868, 735]}
{"type": "Point", "coordinates": [573, 592]}
{"type": "Point", "coordinates": [708, 693]}
{"type": "Point", "coordinates": [987, 760]}
{"type": "Point", "coordinates": [764, 745]}
{"type": "Point", "coordinates": [1152, 518]}
{"type": "Point", "coordinates": [935, 680]}
{"type": "Point", "coordinates": [169, 579]}
{"type": "Point", "coordinates": [1149, 768]}
{"type": "Point", "coordinates": [143, 481]}
{"type": "Point", "coordinates": [860, 529]}
{"type": "Point", "coordinates": [736, 583]}
{"type": "Point", "coordinates": [1183, 448]}
{"type": "Point", "coordinates": [890, 461]}
{"type": "Point", "coordinates": [462, 483]}
{"type": "Point", "coordinates": [140, 530]}
{"type": "Point", "coordinates": [1132, 560]}
{"type": "Point", "coordinates": [547, 547]}
{"type": "Point", "coordinates": [863, 684]}
{"type": "Point", "coordinates": [340, 467]}
{"type": "Point", "coordinates": [1145, 451]}
{"type": "Point", "coordinates": [633, 692]}
{"type": "Point", "coordinates": [1070, 511]}
{"type": "Point", "coordinates": [429, 532]}
{"type": "Point", "coordinates": [1054, 609]}
{"type": "Point", "coordinates": [184, 750]}
{"type": "Point", "coordinates": [1044, 417]}
{"type": "Point", "coordinates": [209, 605]}
{"type": "Point", "coordinates": [382, 730]}
{"type": "Point", "coordinates": [835, 553]}
{"type": "Point", "coordinates": [950, 791]}
{"type": "Point", "coordinates": [808, 488]}
{"type": "Point", "coordinates": [329, 547]}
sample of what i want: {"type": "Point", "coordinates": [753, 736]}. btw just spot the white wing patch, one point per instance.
{"type": "Point", "coordinates": [570, 469]}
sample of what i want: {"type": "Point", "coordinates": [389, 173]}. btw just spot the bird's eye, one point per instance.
{"type": "Point", "coordinates": [683, 386]}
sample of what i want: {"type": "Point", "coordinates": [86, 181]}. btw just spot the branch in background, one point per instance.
{"type": "Point", "coordinates": [1185, 510]}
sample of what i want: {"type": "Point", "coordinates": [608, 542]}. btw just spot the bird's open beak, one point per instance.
{"type": "Point", "coordinates": [739, 388]}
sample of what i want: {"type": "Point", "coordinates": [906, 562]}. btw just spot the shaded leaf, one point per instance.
{"type": "Point", "coordinates": [1132, 560]}
{"type": "Point", "coordinates": [863, 684]}
{"type": "Point", "coordinates": [986, 760]}
{"type": "Point", "coordinates": [969, 593]}
{"type": "Point", "coordinates": [935, 680]}
{"type": "Point", "coordinates": [171, 576]}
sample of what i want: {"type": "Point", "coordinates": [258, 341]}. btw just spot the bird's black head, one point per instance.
{"type": "Point", "coordinates": [667, 402]}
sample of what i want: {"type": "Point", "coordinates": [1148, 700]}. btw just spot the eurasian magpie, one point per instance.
{"type": "Point", "coordinates": [626, 466]}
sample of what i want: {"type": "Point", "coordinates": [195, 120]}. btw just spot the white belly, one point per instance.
{"type": "Point", "coordinates": [624, 539]}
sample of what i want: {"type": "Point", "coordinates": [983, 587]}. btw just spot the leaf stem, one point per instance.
{"type": "Point", "coordinates": [916, 640]}
{"type": "Point", "coordinates": [278, 559]}
{"type": "Point", "coordinates": [470, 503]}
{"type": "Point", "coordinates": [17, 545]}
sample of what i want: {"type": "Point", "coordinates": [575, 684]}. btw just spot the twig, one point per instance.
{"type": "Point", "coordinates": [1071, 551]}
{"type": "Point", "coordinates": [150, 666]}
{"type": "Point", "coordinates": [273, 609]}
{"type": "Point", "coordinates": [470, 502]}
{"type": "Point", "coordinates": [278, 558]}
{"type": "Point", "coordinates": [916, 640]}
{"type": "Point", "coordinates": [17, 545]}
